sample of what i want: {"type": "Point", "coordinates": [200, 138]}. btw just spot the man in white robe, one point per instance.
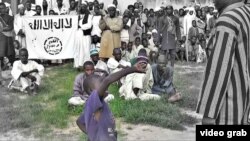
{"type": "Point", "coordinates": [116, 63]}
{"type": "Point", "coordinates": [100, 66]}
{"type": "Point", "coordinates": [83, 42]}
{"type": "Point", "coordinates": [26, 72]}
{"type": "Point", "coordinates": [18, 26]}
{"type": "Point", "coordinates": [138, 85]}
{"type": "Point", "coordinates": [28, 11]}
{"type": "Point", "coordinates": [60, 8]}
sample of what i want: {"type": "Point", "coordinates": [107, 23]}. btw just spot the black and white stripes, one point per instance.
{"type": "Point", "coordinates": [225, 94]}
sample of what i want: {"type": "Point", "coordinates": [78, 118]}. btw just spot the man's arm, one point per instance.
{"type": "Point", "coordinates": [10, 23]}
{"type": "Point", "coordinates": [140, 67]}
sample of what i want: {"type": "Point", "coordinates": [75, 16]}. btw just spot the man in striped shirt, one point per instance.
{"type": "Point", "coordinates": [225, 96]}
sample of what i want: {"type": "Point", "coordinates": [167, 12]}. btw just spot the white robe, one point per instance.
{"type": "Point", "coordinates": [29, 13]}
{"type": "Point", "coordinates": [102, 66]}
{"type": "Point", "coordinates": [142, 81]}
{"type": "Point", "coordinates": [19, 68]}
{"type": "Point", "coordinates": [96, 29]}
{"type": "Point", "coordinates": [113, 65]}
{"type": "Point", "coordinates": [18, 25]}
{"type": "Point", "coordinates": [82, 43]}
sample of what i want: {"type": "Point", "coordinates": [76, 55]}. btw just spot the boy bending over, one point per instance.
{"type": "Point", "coordinates": [97, 120]}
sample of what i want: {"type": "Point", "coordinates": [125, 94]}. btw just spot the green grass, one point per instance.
{"type": "Point", "coordinates": [50, 108]}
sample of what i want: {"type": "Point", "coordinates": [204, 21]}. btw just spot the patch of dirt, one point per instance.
{"type": "Point", "coordinates": [152, 133]}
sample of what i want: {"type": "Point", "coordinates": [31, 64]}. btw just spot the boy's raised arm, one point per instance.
{"type": "Point", "coordinates": [139, 67]}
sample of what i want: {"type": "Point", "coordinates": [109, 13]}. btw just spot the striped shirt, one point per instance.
{"type": "Point", "coordinates": [224, 94]}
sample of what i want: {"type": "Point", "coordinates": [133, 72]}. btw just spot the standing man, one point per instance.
{"type": "Point", "coordinates": [225, 93]}
{"type": "Point", "coordinates": [18, 26]}
{"type": "Point", "coordinates": [60, 8]}
{"type": "Point", "coordinates": [170, 31]}
{"type": "Point", "coordinates": [28, 11]}
{"type": "Point", "coordinates": [6, 36]}
{"type": "Point", "coordinates": [111, 27]}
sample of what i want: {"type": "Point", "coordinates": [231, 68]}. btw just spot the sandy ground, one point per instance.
{"type": "Point", "coordinates": [129, 132]}
{"type": "Point", "coordinates": [152, 133]}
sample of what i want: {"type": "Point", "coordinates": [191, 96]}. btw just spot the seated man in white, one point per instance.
{"type": "Point", "coordinates": [116, 63]}
{"type": "Point", "coordinates": [139, 85]}
{"type": "Point", "coordinates": [27, 73]}
{"type": "Point", "coordinates": [100, 66]}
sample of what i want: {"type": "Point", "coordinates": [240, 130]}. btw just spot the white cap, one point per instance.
{"type": "Point", "coordinates": [111, 5]}
{"type": "Point", "coordinates": [157, 9]}
{"type": "Point", "coordinates": [84, 2]}
{"type": "Point", "coordinates": [118, 10]}
{"type": "Point", "coordinates": [150, 33]}
{"type": "Point", "coordinates": [7, 4]}
{"type": "Point", "coordinates": [154, 31]}
{"type": "Point", "coordinates": [101, 1]}
{"type": "Point", "coordinates": [20, 6]}
{"type": "Point", "coordinates": [90, 0]}
{"type": "Point", "coordinates": [136, 10]}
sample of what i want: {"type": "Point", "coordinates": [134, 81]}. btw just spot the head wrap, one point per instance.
{"type": "Point", "coordinates": [154, 31]}
{"type": "Point", "coordinates": [111, 5]}
{"type": "Point", "coordinates": [20, 6]}
{"type": "Point", "coordinates": [93, 51]}
{"type": "Point", "coordinates": [157, 9]}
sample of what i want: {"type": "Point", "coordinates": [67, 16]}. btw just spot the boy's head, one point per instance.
{"type": "Point", "coordinates": [51, 12]}
{"type": "Point", "coordinates": [38, 10]}
{"type": "Point", "coordinates": [149, 35]}
{"type": "Point", "coordinates": [94, 55]}
{"type": "Point", "coordinates": [184, 38]}
{"type": "Point", "coordinates": [24, 55]}
{"type": "Point", "coordinates": [193, 40]}
{"type": "Point", "coordinates": [117, 54]}
{"type": "Point", "coordinates": [16, 44]}
{"type": "Point", "coordinates": [123, 45]}
{"type": "Point", "coordinates": [130, 45]}
{"type": "Point", "coordinates": [95, 39]}
{"type": "Point", "coordinates": [156, 42]}
{"type": "Point", "coordinates": [144, 36]}
{"type": "Point", "coordinates": [201, 36]}
{"type": "Point", "coordinates": [145, 43]}
{"type": "Point", "coordinates": [194, 23]}
{"type": "Point", "coordinates": [88, 68]}
{"type": "Point", "coordinates": [137, 41]}
{"type": "Point", "coordinates": [92, 82]}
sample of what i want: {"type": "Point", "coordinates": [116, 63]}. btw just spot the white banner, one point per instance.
{"type": "Point", "coordinates": [50, 37]}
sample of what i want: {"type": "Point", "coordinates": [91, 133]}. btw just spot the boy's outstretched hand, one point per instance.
{"type": "Point", "coordinates": [140, 67]}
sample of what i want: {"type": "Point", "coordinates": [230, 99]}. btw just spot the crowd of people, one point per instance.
{"type": "Point", "coordinates": [117, 46]}
{"type": "Point", "coordinates": [112, 40]}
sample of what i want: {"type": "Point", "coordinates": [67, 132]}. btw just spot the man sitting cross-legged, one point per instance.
{"type": "Point", "coordinates": [79, 94]}
{"type": "Point", "coordinates": [139, 85]}
{"type": "Point", "coordinates": [116, 63]}
{"type": "Point", "coordinates": [27, 73]}
{"type": "Point", "coordinates": [163, 80]}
